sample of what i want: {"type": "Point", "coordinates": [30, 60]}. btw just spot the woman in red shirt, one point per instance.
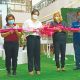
{"type": "Point", "coordinates": [11, 44]}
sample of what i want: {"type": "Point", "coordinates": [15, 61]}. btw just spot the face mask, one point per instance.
{"type": "Point", "coordinates": [78, 17]}
{"type": "Point", "coordinates": [11, 21]}
{"type": "Point", "coordinates": [57, 18]}
{"type": "Point", "coordinates": [35, 17]}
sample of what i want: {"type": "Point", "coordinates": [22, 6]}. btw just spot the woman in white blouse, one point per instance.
{"type": "Point", "coordinates": [33, 42]}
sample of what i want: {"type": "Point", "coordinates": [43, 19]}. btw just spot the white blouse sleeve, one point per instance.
{"type": "Point", "coordinates": [40, 25]}
{"type": "Point", "coordinates": [25, 25]}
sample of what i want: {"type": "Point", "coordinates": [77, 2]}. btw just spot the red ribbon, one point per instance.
{"type": "Point", "coordinates": [6, 30]}
{"type": "Point", "coordinates": [45, 30]}
{"type": "Point", "coordinates": [50, 30]}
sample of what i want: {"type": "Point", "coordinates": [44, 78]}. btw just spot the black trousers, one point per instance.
{"type": "Point", "coordinates": [59, 42]}
{"type": "Point", "coordinates": [11, 53]}
{"type": "Point", "coordinates": [33, 52]}
{"type": "Point", "coordinates": [77, 52]}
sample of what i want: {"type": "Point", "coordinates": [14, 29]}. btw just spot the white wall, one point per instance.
{"type": "Point", "coordinates": [3, 12]}
{"type": "Point", "coordinates": [21, 16]}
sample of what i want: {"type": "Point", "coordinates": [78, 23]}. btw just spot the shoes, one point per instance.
{"type": "Point", "coordinates": [38, 72]}
{"type": "Point", "coordinates": [14, 73]}
{"type": "Point", "coordinates": [63, 69]}
{"type": "Point", "coordinates": [8, 73]}
{"type": "Point", "coordinates": [31, 73]}
{"type": "Point", "coordinates": [58, 69]}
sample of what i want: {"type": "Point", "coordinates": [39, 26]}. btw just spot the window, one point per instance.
{"type": "Point", "coordinates": [20, 5]}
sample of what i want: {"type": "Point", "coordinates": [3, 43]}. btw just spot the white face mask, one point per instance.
{"type": "Point", "coordinates": [35, 17]}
